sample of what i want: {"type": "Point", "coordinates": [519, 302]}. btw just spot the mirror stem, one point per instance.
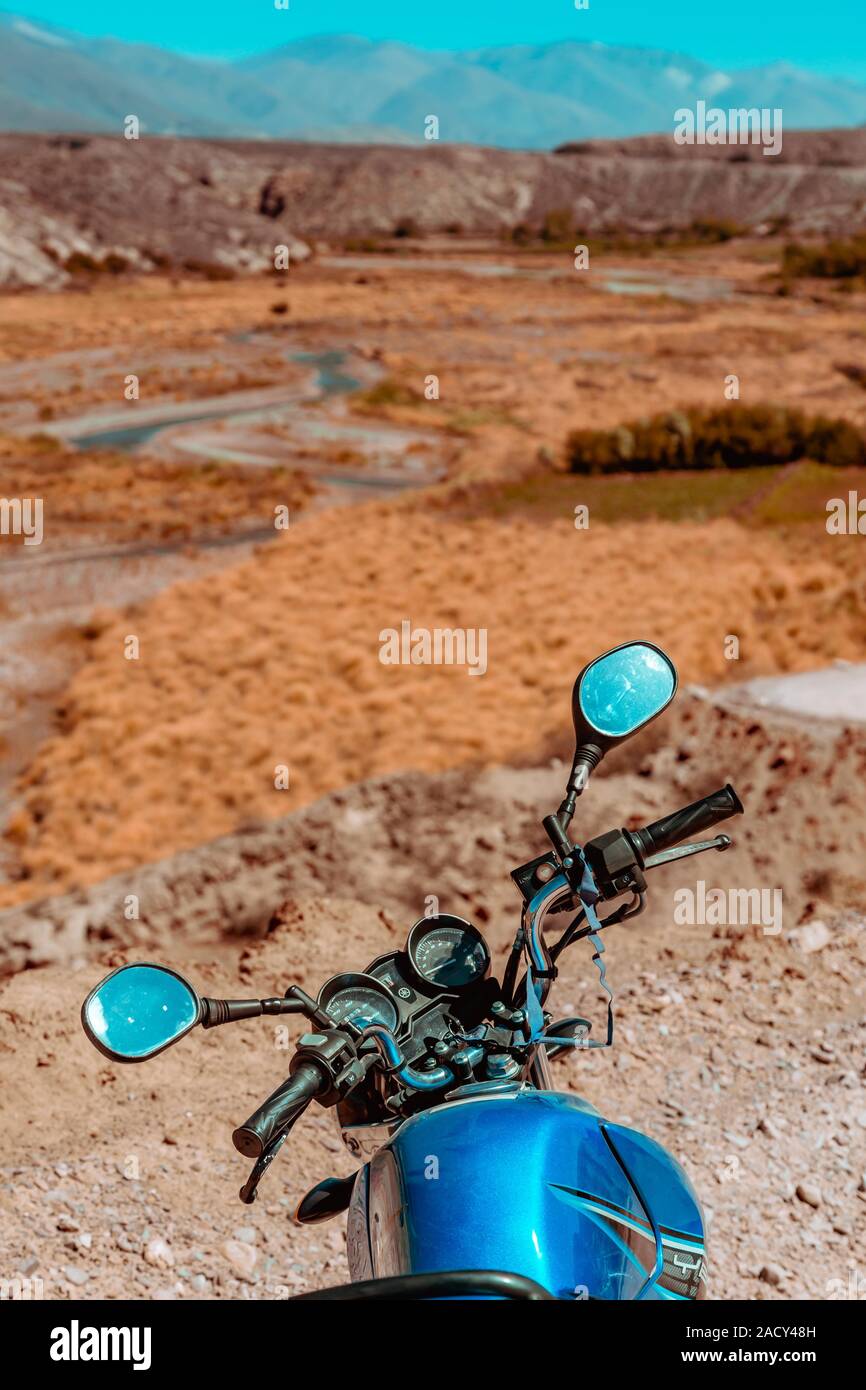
{"type": "Point", "coordinates": [557, 836]}
{"type": "Point", "coordinates": [217, 1011]}
{"type": "Point", "coordinates": [586, 759]}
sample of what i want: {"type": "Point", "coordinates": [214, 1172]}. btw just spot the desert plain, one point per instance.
{"type": "Point", "coordinates": [245, 483]}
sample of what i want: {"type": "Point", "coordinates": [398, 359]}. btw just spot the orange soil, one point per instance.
{"type": "Point", "coordinates": [277, 662]}
{"type": "Point", "coordinates": [91, 498]}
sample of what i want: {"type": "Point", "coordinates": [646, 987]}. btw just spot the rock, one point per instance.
{"type": "Point", "coordinates": [772, 1274]}
{"type": "Point", "coordinates": [158, 1253]}
{"type": "Point", "coordinates": [247, 1234]}
{"type": "Point", "coordinates": [75, 1276]}
{"type": "Point", "coordinates": [41, 221]}
{"type": "Point", "coordinates": [68, 1223]}
{"type": "Point", "coordinates": [811, 937]}
{"type": "Point", "coordinates": [240, 1256]}
{"type": "Point", "coordinates": [767, 1127]}
{"type": "Point", "coordinates": [809, 1193]}
{"type": "Point", "coordinates": [738, 1140]}
{"type": "Point", "coordinates": [199, 1283]}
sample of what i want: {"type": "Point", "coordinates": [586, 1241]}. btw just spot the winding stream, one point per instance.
{"type": "Point", "coordinates": [330, 381]}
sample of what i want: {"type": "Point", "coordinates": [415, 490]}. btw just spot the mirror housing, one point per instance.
{"type": "Point", "coordinates": [620, 692]}
{"type": "Point", "coordinates": [138, 1011]}
{"type": "Point", "coordinates": [614, 696]}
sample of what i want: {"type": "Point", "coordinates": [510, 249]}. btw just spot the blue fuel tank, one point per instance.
{"type": "Point", "coordinates": [534, 1183]}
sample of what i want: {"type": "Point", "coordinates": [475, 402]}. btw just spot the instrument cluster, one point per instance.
{"type": "Point", "coordinates": [444, 955]}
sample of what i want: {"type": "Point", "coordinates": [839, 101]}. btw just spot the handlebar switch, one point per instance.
{"type": "Point", "coordinates": [615, 865]}
{"type": "Point", "coordinates": [528, 878]}
{"type": "Point", "coordinates": [334, 1054]}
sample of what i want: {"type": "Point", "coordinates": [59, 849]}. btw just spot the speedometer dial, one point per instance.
{"type": "Point", "coordinates": [359, 999]}
{"type": "Point", "coordinates": [448, 952]}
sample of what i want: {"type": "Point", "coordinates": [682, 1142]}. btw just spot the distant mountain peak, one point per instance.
{"type": "Point", "coordinates": [531, 96]}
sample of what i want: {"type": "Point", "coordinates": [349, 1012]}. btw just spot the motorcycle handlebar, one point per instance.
{"type": "Point", "coordinates": [274, 1114]}
{"type": "Point", "coordinates": [688, 822]}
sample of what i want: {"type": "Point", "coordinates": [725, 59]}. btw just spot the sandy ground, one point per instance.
{"type": "Point", "coordinates": [275, 663]}
{"type": "Point", "coordinates": [742, 1050]}
{"type": "Point", "coordinates": [391, 840]}
{"type": "Point", "coordinates": [261, 668]}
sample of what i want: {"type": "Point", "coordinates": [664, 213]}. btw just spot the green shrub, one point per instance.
{"type": "Point", "coordinates": [835, 260]}
{"type": "Point", "coordinates": [713, 229]}
{"type": "Point", "coordinates": [389, 391]}
{"type": "Point", "coordinates": [406, 227]}
{"type": "Point", "coordinates": [732, 436]}
{"type": "Point", "coordinates": [558, 226]}
{"type": "Point", "coordinates": [522, 234]}
{"type": "Point", "coordinates": [854, 371]}
{"type": "Point", "coordinates": [210, 270]}
{"type": "Point", "coordinates": [82, 263]}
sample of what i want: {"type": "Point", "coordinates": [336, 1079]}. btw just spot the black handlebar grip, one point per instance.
{"type": "Point", "coordinates": [274, 1114]}
{"type": "Point", "coordinates": [691, 820]}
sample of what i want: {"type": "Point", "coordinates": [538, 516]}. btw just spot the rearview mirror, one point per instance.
{"type": "Point", "coordinates": [620, 692]}
{"type": "Point", "coordinates": [138, 1011]}
{"type": "Point", "coordinates": [614, 696]}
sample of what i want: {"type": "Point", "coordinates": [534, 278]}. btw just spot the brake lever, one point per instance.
{"type": "Point", "coordinates": [248, 1192]}
{"type": "Point", "coordinates": [667, 856]}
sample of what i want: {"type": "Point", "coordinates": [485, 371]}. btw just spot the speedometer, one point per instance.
{"type": "Point", "coordinates": [358, 999]}
{"type": "Point", "coordinates": [447, 952]}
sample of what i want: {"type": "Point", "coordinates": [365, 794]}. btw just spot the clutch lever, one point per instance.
{"type": "Point", "coordinates": [248, 1192]}
{"type": "Point", "coordinates": [667, 856]}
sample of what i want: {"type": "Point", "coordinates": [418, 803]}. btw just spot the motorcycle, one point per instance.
{"type": "Point", "coordinates": [478, 1179]}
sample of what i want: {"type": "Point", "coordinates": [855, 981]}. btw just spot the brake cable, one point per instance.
{"type": "Point", "coordinates": [589, 896]}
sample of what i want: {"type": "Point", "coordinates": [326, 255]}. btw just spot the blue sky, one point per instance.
{"type": "Point", "coordinates": [826, 35]}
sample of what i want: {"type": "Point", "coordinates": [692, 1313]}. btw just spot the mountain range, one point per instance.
{"type": "Point", "coordinates": [346, 88]}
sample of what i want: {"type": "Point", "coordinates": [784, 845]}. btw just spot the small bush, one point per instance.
{"type": "Point", "coordinates": [836, 260]}
{"type": "Point", "coordinates": [522, 234]}
{"type": "Point", "coordinates": [558, 226]}
{"type": "Point", "coordinates": [389, 391]}
{"type": "Point", "coordinates": [367, 244]}
{"type": "Point", "coordinates": [734, 436]}
{"type": "Point", "coordinates": [82, 263]}
{"type": "Point", "coordinates": [713, 229]}
{"type": "Point", "coordinates": [210, 270]}
{"type": "Point", "coordinates": [854, 371]}
{"type": "Point", "coordinates": [406, 227]}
